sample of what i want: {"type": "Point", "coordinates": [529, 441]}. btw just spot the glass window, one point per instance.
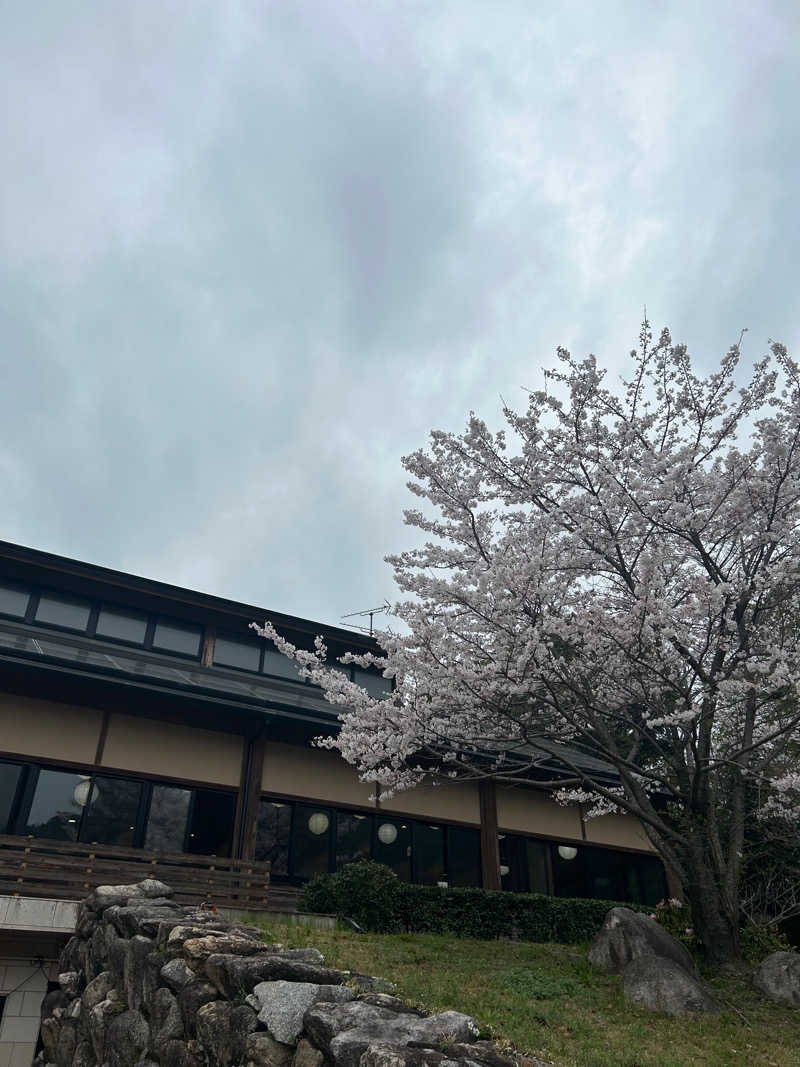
{"type": "Point", "coordinates": [166, 820]}
{"type": "Point", "coordinates": [652, 880]}
{"type": "Point", "coordinates": [233, 652]}
{"type": "Point", "coordinates": [272, 836]}
{"type": "Point", "coordinates": [375, 684]}
{"type": "Point", "coordinates": [538, 877]}
{"type": "Point", "coordinates": [211, 827]}
{"type": "Point", "coordinates": [181, 637]}
{"type": "Point", "coordinates": [513, 863]}
{"type": "Point", "coordinates": [276, 663]}
{"type": "Point", "coordinates": [120, 624]}
{"type": "Point", "coordinates": [311, 835]}
{"type": "Point", "coordinates": [428, 854]}
{"type": "Point", "coordinates": [463, 856]}
{"type": "Point", "coordinates": [353, 838]}
{"type": "Point", "coordinates": [9, 780]}
{"type": "Point", "coordinates": [112, 812]}
{"type": "Point", "coordinates": [13, 600]}
{"type": "Point", "coordinates": [393, 846]}
{"type": "Point", "coordinates": [569, 878]}
{"type": "Point", "coordinates": [58, 802]}
{"type": "Point", "coordinates": [69, 612]}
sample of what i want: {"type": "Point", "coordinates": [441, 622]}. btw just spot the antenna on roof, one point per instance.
{"type": "Point", "coordinates": [385, 606]}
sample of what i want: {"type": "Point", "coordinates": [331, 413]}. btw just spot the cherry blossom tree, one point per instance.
{"type": "Point", "coordinates": [613, 574]}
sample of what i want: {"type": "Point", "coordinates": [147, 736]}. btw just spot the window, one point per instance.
{"type": "Point", "coordinates": [428, 853]}
{"type": "Point", "coordinates": [181, 637]}
{"type": "Point", "coordinates": [273, 835]}
{"type": "Point", "coordinates": [120, 624]}
{"type": "Point", "coordinates": [71, 613]}
{"type": "Point", "coordinates": [112, 812]}
{"type": "Point", "coordinates": [13, 600]}
{"type": "Point", "coordinates": [310, 841]}
{"type": "Point", "coordinates": [353, 838]}
{"type": "Point", "coordinates": [167, 819]}
{"type": "Point", "coordinates": [10, 774]}
{"type": "Point", "coordinates": [375, 684]}
{"type": "Point", "coordinates": [278, 664]}
{"type": "Point", "coordinates": [211, 824]}
{"type": "Point", "coordinates": [234, 652]}
{"type": "Point", "coordinates": [57, 805]}
{"type": "Point", "coordinates": [463, 856]}
{"type": "Point", "coordinates": [393, 846]}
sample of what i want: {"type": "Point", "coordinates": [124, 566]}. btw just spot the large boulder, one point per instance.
{"type": "Point", "coordinates": [345, 1031]}
{"type": "Point", "coordinates": [235, 976]}
{"type": "Point", "coordinates": [778, 978]}
{"type": "Point", "coordinates": [627, 935]}
{"type": "Point", "coordinates": [105, 896]}
{"type": "Point", "coordinates": [661, 984]}
{"type": "Point", "coordinates": [282, 1005]}
{"type": "Point", "coordinates": [223, 1029]}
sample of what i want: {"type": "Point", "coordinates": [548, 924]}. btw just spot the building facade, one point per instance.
{"type": "Point", "coordinates": [138, 715]}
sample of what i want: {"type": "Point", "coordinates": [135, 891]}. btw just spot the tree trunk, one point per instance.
{"type": "Point", "coordinates": [717, 931]}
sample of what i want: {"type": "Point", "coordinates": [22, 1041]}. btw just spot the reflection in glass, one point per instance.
{"type": "Point", "coordinates": [463, 856]}
{"type": "Point", "coordinates": [276, 663]}
{"type": "Point", "coordinates": [310, 849]}
{"type": "Point", "coordinates": [122, 625]}
{"type": "Point", "coordinates": [111, 812]}
{"type": "Point", "coordinates": [538, 878]}
{"type": "Point", "coordinates": [13, 600]}
{"type": "Point", "coordinates": [272, 836]}
{"type": "Point", "coordinates": [171, 636]}
{"type": "Point", "coordinates": [513, 863]}
{"type": "Point", "coordinates": [428, 854]}
{"type": "Point", "coordinates": [70, 612]}
{"type": "Point", "coordinates": [353, 838]}
{"type": "Point", "coordinates": [394, 848]}
{"type": "Point", "coordinates": [228, 652]}
{"type": "Point", "coordinates": [211, 828]}
{"type": "Point", "coordinates": [9, 778]}
{"type": "Point", "coordinates": [166, 821]}
{"type": "Point", "coordinates": [375, 684]}
{"type": "Point", "coordinates": [54, 812]}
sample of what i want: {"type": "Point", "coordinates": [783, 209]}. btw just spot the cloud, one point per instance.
{"type": "Point", "coordinates": [252, 253]}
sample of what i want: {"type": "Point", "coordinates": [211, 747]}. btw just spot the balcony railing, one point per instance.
{"type": "Point", "coordinates": [67, 870]}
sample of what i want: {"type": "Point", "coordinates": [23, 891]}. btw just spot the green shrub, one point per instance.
{"type": "Point", "coordinates": [373, 896]}
{"type": "Point", "coordinates": [757, 941]}
{"type": "Point", "coordinates": [366, 892]}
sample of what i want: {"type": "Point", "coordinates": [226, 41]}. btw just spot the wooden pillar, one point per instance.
{"type": "Point", "coordinates": [490, 845]}
{"type": "Point", "coordinates": [251, 795]}
{"type": "Point", "coordinates": [209, 640]}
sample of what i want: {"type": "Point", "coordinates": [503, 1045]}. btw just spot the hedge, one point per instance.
{"type": "Point", "coordinates": [371, 895]}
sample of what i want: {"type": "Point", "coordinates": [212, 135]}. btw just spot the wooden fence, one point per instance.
{"type": "Point", "coordinates": [67, 870]}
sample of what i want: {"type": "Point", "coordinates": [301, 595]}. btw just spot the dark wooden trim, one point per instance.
{"type": "Point", "coordinates": [240, 797]}
{"type": "Point", "coordinates": [252, 796]}
{"type": "Point", "coordinates": [207, 651]}
{"type": "Point", "coordinates": [123, 772]}
{"type": "Point", "coordinates": [582, 822]}
{"type": "Point", "coordinates": [101, 740]}
{"type": "Point", "coordinates": [490, 845]}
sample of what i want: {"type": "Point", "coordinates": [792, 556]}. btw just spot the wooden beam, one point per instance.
{"type": "Point", "coordinates": [490, 845]}
{"type": "Point", "coordinates": [209, 640]}
{"type": "Point", "coordinates": [252, 796]}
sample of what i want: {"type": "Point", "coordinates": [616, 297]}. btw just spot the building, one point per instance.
{"type": "Point", "coordinates": [136, 715]}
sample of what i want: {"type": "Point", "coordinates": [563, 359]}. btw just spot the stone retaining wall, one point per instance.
{"type": "Point", "coordinates": [147, 982]}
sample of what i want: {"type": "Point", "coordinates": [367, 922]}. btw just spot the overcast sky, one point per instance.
{"type": "Point", "coordinates": [252, 253]}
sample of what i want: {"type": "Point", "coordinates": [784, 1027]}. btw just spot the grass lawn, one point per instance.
{"type": "Point", "coordinates": [547, 1001]}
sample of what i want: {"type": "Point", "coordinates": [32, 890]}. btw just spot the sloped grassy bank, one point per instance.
{"type": "Point", "coordinates": [546, 1000]}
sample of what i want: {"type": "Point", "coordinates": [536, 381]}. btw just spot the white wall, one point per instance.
{"type": "Point", "coordinates": [24, 984]}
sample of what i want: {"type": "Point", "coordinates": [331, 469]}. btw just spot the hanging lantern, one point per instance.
{"type": "Point", "coordinates": [318, 823]}
{"type": "Point", "coordinates": [567, 852]}
{"type": "Point", "coordinates": [81, 792]}
{"type": "Point", "coordinates": [387, 833]}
